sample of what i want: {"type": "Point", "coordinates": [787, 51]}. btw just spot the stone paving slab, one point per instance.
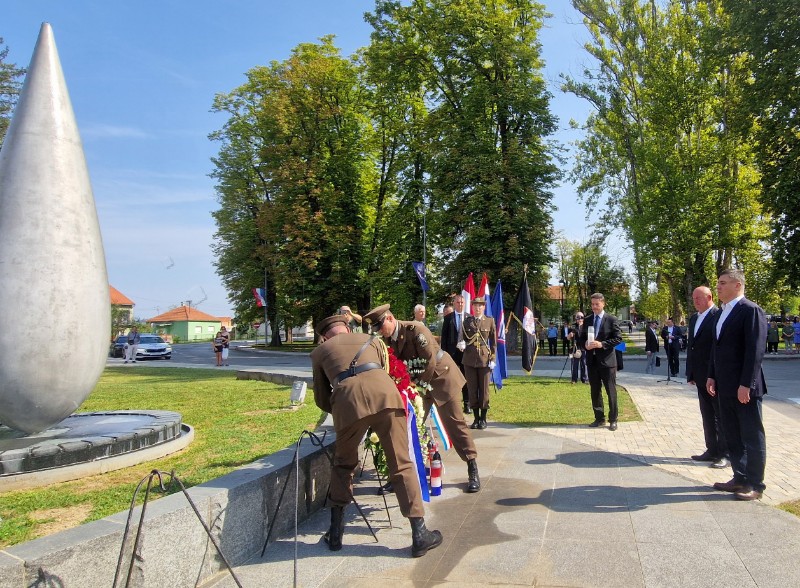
{"type": "Point", "coordinates": [671, 431]}
{"type": "Point", "coordinates": [552, 512]}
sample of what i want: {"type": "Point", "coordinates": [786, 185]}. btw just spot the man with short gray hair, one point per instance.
{"type": "Point", "coordinates": [736, 379]}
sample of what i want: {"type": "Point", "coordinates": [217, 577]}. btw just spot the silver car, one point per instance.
{"type": "Point", "coordinates": [153, 346]}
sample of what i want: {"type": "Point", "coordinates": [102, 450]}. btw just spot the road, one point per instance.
{"type": "Point", "coordinates": [781, 372]}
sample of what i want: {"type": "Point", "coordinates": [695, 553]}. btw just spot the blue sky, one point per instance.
{"type": "Point", "coordinates": [142, 77]}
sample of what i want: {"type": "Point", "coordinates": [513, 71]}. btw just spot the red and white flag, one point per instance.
{"type": "Point", "coordinates": [468, 292]}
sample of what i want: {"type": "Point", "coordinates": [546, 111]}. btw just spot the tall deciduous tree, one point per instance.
{"type": "Point", "coordinates": [10, 86]}
{"type": "Point", "coordinates": [769, 30]}
{"type": "Point", "coordinates": [488, 165]}
{"type": "Point", "coordinates": [660, 149]}
{"type": "Point", "coordinates": [300, 176]}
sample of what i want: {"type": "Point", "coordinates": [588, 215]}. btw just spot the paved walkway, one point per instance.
{"type": "Point", "coordinates": [571, 506]}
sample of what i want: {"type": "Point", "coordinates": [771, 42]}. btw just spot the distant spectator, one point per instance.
{"type": "Point", "coordinates": [218, 344]}
{"type": "Point", "coordinates": [773, 338]}
{"type": "Point", "coordinates": [552, 338]}
{"type": "Point", "coordinates": [565, 339]}
{"type": "Point", "coordinates": [651, 346]}
{"type": "Point", "coordinates": [133, 345]}
{"type": "Point", "coordinates": [225, 347]}
{"type": "Point", "coordinates": [796, 327]}
{"type": "Point", "coordinates": [788, 335]}
{"type": "Point", "coordinates": [353, 319]}
{"type": "Point", "coordinates": [419, 313]}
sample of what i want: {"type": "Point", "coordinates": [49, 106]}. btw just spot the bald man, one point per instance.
{"type": "Point", "coordinates": [698, 354]}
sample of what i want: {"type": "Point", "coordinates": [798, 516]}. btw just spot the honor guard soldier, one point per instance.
{"type": "Point", "coordinates": [352, 383]}
{"type": "Point", "coordinates": [442, 378]}
{"type": "Point", "coordinates": [480, 337]}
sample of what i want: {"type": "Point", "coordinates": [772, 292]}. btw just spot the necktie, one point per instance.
{"type": "Point", "coordinates": [458, 321]}
{"type": "Point", "coordinates": [596, 325]}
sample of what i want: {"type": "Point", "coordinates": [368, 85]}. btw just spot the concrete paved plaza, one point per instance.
{"type": "Point", "coordinates": [572, 506]}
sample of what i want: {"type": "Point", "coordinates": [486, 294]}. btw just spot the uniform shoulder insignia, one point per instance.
{"type": "Point", "coordinates": [411, 326]}
{"type": "Point", "coordinates": [422, 340]}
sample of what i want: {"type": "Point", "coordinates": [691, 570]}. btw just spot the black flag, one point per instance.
{"type": "Point", "coordinates": [524, 319]}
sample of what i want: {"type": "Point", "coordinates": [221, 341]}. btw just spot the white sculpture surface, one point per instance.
{"type": "Point", "coordinates": [54, 297]}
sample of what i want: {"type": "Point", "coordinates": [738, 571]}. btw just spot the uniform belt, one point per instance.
{"type": "Point", "coordinates": [348, 373]}
{"type": "Point", "coordinates": [440, 355]}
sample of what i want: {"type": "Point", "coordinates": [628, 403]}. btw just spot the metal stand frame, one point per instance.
{"type": "Point", "coordinates": [669, 379]}
{"type": "Point", "coordinates": [315, 440]}
{"type": "Point", "coordinates": [149, 479]}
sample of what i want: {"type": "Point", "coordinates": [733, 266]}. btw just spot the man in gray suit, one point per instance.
{"type": "Point", "coordinates": [698, 353]}
{"type": "Point", "coordinates": [736, 378]}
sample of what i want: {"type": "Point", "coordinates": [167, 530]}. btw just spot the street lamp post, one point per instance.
{"type": "Point", "coordinates": [562, 283]}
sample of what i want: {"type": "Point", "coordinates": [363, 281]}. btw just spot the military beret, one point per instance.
{"type": "Point", "coordinates": [327, 323]}
{"type": "Point", "coordinates": [479, 300]}
{"type": "Point", "coordinates": [376, 315]}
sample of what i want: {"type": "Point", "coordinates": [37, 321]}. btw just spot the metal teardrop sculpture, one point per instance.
{"type": "Point", "coordinates": [54, 297]}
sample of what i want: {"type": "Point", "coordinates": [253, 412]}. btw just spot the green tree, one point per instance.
{"type": "Point", "coordinates": [661, 149]}
{"type": "Point", "coordinates": [295, 167]}
{"type": "Point", "coordinates": [769, 31]}
{"type": "Point", "coordinates": [488, 166]}
{"type": "Point", "coordinates": [10, 86]}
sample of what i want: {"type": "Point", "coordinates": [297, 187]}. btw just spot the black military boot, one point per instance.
{"type": "Point", "coordinates": [334, 535]}
{"type": "Point", "coordinates": [476, 423]}
{"type": "Point", "coordinates": [474, 484]}
{"type": "Point", "coordinates": [422, 539]}
{"type": "Point", "coordinates": [482, 422]}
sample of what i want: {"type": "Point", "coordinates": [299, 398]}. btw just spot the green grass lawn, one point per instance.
{"type": "Point", "coordinates": [236, 422]}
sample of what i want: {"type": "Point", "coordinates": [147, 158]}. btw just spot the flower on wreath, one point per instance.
{"type": "Point", "coordinates": [406, 388]}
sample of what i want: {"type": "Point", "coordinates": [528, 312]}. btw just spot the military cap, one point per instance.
{"type": "Point", "coordinates": [479, 300]}
{"type": "Point", "coordinates": [327, 323]}
{"type": "Point", "coordinates": [374, 318]}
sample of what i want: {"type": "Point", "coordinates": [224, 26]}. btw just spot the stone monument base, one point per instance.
{"type": "Point", "coordinates": [85, 444]}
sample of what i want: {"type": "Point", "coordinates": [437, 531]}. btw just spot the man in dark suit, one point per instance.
{"type": "Point", "coordinates": [736, 378]}
{"type": "Point", "coordinates": [698, 353]}
{"type": "Point", "coordinates": [350, 383]}
{"type": "Point", "coordinates": [601, 360]}
{"type": "Point", "coordinates": [671, 335]}
{"type": "Point", "coordinates": [452, 335]}
{"type": "Point", "coordinates": [651, 346]}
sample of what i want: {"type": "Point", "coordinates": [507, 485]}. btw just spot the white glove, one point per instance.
{"type": "Point", "coordinates": [461, 346]}
{"type": "Point", "coordinates": [491, 365]}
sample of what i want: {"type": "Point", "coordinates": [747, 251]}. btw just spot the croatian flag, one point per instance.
{"type": "Point", "coordinates": [468, 292]}
{"type": "Point", "coordinates": [260, 295]}
{"type": "Point", "coordinates": [436, 423]}
{"type": "Point", "coordinates": [500, 370]}
{"type": "Point", "coordinates": [483, 290]}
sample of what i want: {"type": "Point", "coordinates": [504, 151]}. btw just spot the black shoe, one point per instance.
{"type": "Point", "coordinates": [474, 484]}
{"type": "Point", "coordinates": [612, 426]}
{"type": "Point", "coordinates": [334, 535]}
{"type": "Point", "coordinates": [732, 486]}
{"type": "Point", "coordinates": [422, 539]}
{"type": "Point", "coordinates": [387, 488]}
{"type": "Point", "coordinates": [720, 464]}
{"type": "Point", "coordinates": [598, 423]}
{"type": "Point", "coordinates": [476, 423]}
{"type": "Point", "coordinates": [705, 456]}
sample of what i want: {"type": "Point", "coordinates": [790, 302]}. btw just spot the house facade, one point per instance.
{"type": "Point", "coordinates": [187, 324]}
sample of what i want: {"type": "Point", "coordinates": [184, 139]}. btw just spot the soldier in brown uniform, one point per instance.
{"type": "Point", "coordinates": [412, 340]}
{"type": "Point", "coordinates": [352, 383]}
{"type": "Point", "coordinates": [480, 335]}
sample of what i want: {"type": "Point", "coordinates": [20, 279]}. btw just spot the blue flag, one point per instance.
{"type": "Point", "coordinates": [419, 269]}
{"type": "Point", "coordinates": [500, 369]}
